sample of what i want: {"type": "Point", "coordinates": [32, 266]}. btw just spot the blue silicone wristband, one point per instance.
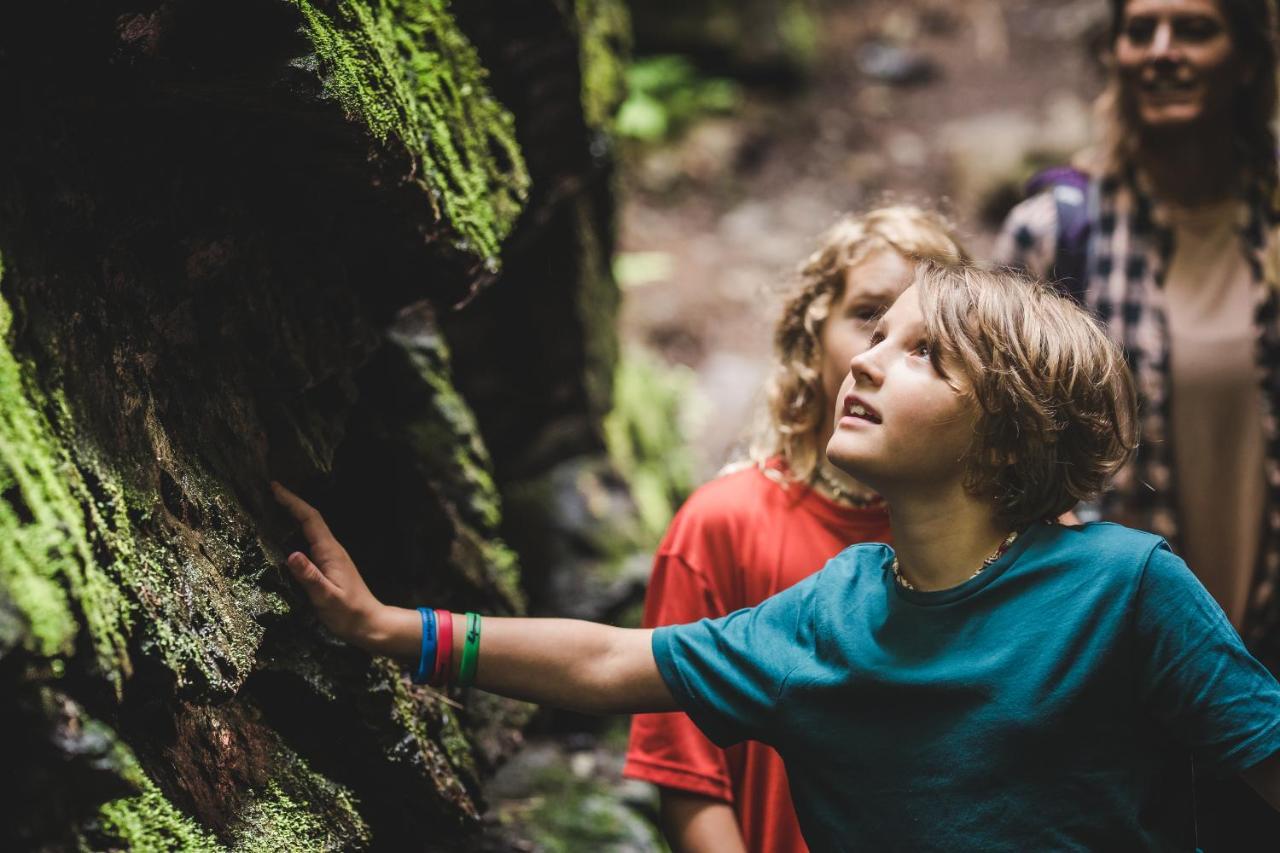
{"type": "Point", "coordinates": [427, 659]}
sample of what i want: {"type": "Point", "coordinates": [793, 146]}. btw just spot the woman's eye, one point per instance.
{"type": "Point", "coordinates": [1140, 30]}
{"type": "Point", "coordinates": [876, 337]}
{"type": "Point", "coordinates": [1196, 29]}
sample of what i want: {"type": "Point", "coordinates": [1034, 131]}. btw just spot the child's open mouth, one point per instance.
{"type": "Point", "coordinates": [855, 407]}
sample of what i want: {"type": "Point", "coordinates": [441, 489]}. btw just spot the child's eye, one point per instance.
{"type": "Point", "coordinates": [865, 313]}
{"type": "Point", "coordinates": [922, 349]}
{"type": "Point", "coordinates": [876, 337]}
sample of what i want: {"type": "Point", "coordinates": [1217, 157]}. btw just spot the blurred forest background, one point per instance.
{"type": "Point", "coordinates": [489, 281]}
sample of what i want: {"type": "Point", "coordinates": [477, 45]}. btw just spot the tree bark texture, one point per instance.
{"type": "Point", "coordinates": [235, 236]}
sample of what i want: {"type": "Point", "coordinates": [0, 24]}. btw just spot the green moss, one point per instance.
{"type": "Point", "coordinates": [404, 69]}
{"type": "Point", "coordinates": [445, 440]}
{"type": "Point", "coordinates": [196, 614]}
{"type": "Point", "coordinates": [604, 33]}
{"type": "Point", "coordinates": [446, 759]}
{"type": "Point", "coordinates": [451, 424]}
{"type": "Point", "coordinates": [147, 822]}
{"type": "Point", "coordinates": [48, 567]}
{"type": "Point", "coordinates": [71, 555]}
{"type": "Point", "coordinates": [297, 810]}
{"type": "Point", "coordinates": [598, 300]}
{"type": "Point", "coordinates": [300, 810]}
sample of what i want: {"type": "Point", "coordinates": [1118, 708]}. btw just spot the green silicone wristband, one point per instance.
{"type": "Point", "coordinates": [470, 651]}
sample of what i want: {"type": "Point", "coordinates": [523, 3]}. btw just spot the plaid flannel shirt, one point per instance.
{"type": "Point", "coordinates": [1129, 248]}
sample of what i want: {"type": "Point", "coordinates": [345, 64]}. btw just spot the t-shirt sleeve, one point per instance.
{"type": "Point", "coordinates": [668, 749]}
{"type": "Point", "coordinates": [1196, 676]}
{"type": "Point", "coordinates": [728, 673]}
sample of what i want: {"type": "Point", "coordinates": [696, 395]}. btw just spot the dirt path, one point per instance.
{"type": "Point", "coordinates": [731, 207]}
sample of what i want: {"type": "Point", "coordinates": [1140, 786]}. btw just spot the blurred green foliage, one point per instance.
{"type": "Point", "coordinates": [648, 435]}
{"type": "Point", "coordinates": [666, 93]}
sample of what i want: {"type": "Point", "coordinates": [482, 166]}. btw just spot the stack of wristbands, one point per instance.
{"type": "Point", "coordinates": [435, 663]}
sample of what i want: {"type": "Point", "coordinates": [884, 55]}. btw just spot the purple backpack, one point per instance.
{"type": "Point", "coordinates": [1070, 188]}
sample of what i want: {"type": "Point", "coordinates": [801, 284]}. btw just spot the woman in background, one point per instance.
{"type": "Point", "coordinates": [1168, 232]}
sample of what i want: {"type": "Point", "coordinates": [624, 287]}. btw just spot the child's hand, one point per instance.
{"type": "Point", "coordinates": [333, 583]}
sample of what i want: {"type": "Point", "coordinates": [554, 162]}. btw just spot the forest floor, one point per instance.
{"type": "Point", "coordinates": [722, 215]}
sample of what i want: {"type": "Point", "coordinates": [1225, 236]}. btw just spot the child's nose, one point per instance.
{"type": "Point", "coordinates": [864, 369]}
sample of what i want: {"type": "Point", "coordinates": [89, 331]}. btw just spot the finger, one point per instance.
{"type": "Point", "coordinates": [313, 526]}
{"type": "Point", "coordinates": [310, 576]}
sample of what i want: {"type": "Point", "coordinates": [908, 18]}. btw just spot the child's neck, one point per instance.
{"type": "Point", "coordinates": [942, 539]}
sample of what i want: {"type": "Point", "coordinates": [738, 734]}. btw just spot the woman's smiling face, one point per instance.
{"type": "Point", "coordinates": [1177, 62]}
{"type": "Point", "coordinates": [899, 421]}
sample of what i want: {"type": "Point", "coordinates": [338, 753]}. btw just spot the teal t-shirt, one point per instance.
{"type": "Point", "coordinates": [1053, 702]}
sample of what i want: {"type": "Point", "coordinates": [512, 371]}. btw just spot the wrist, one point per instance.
{"type": "Point", "coordinates": [392, 631]}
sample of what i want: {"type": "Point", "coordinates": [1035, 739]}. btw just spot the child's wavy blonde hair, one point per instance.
{"type": "Point", "coordinates": [796, 402]}
{"type": "Point", "coordinates": [1057, 414]}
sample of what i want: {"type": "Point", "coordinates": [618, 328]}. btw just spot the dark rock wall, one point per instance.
{"type": "Point", "coordinates": [230, 235]}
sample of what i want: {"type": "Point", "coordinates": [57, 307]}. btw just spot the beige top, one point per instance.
{"type": "Point", "coordinates": [1215, 402]}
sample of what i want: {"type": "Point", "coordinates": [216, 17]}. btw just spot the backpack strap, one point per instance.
{"type": "Point", "coordinates": [1070, 197]}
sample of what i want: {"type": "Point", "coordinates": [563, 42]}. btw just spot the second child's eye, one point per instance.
{"type": "Point", "coordinates": [865, 314]}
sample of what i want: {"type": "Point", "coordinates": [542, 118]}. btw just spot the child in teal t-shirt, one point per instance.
{"type": "Point", "coordinates": [1001, 682]}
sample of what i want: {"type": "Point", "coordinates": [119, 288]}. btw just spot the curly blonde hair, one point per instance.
{"type": "Point", "coordinates": [796, 401]}
{"type": "Point", "coordinates": [1057, 413]}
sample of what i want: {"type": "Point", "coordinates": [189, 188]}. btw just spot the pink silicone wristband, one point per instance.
{"type": "Point", "coordinates": [444, 648]}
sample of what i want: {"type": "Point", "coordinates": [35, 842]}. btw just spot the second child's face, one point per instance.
{"type": "Point", "coordinates": [870, 287]}
{"type": "Point", "coordinates": [1177, 62]}
{"type": "Point", "coordinates": [898, 420]}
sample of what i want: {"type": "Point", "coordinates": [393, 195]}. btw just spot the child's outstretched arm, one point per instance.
{"type": "Point", "coordinates": [565, 663]}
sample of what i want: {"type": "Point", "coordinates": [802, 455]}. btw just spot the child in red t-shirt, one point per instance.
{"type": "Point", "coordinates": [752, 533]}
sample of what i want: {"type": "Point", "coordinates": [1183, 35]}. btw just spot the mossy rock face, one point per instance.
{"type": "Point", "coordinates": [405, 70]}
{"type": "Point", "coordinates": [229, 232]}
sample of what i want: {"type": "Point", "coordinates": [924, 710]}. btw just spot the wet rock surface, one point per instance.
{"type": "Point", "coordinates": [233, 237]}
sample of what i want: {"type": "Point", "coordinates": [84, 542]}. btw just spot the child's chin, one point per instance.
{"type": "Point", "coordinates": [844, 461]}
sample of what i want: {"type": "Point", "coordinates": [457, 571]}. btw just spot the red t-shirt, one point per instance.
{"type": "Point", "coordinates": [738, 540]}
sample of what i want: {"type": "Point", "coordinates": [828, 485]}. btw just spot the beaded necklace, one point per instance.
{"type": "Point", "coordinates": [991, 558]}
{"type": "Point", "coordinates": [842, 493]}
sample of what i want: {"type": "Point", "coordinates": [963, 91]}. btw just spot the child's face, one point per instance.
{"type": "Point", "coordinates": [870, 287]}
{"type": "Point", "coordinates": [898, 421]}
